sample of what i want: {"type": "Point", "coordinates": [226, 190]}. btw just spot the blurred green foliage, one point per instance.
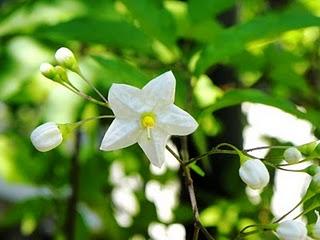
{"type": "Point", "coordinates": [274, 50]}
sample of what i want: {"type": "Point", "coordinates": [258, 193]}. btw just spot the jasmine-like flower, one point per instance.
{"type": "Point", "coordinates": [46, 137]}
{"type": "Point", "coordinates": [147, 116]}
{"type": "Point", "coordinates": [292, 230]}
{"type": "Point", "coordinates": [254, 173]}
{"type": "Point", "coordinates": [292, 155]}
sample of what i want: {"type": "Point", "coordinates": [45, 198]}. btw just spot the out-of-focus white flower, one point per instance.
{"type": "Point", "coordinates": [66, 58]}
{"type": "Point", "coordinates": [159, 231]}
{"type": "Point", "coordinates": [316, 227]}
{"type": "Point", "coordinates": [292, 230]}
{"type": "Point", "coordinates": [147, 116]}
{"type": "Point", "coordinates": [292, 155]}
{"type": "Point", "coordinates": [254, 173]}
{"type": "Point", "coordinates": [48, 70]}
{"type": "Point", "coordinates": [46, 136]}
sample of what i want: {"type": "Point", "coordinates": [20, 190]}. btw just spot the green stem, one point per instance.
{"type": "Point", "coordinates": [93, 87]}
{"type": "Point", "coordinates": [211, 152]}
{"type": "Point", "coordinates": [266, 147]}
{"type": "Point", "coordinates": [94, 118]}
{"type": "Point", "coordinates": [83, 95]}
{"type": "Point", "coordinates": [284, 169]}
{"type": "Point", "coordinates": [243, 235]}
{"type": "Point", "coordinates": [290, 164]}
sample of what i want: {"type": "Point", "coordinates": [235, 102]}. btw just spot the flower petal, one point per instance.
{"type": "Point", "coordinates": [176, 121]}
{"type": "Point", "coordinates": [154, 148]}
{"type": "Point", "coordinates": [125, 101]}
{"type": "Point", "coordinates": [160, 90]}
{"type": "Point", "coordinates": [120, 134]}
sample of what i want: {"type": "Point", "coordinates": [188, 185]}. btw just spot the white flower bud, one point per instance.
{"type": "Point", "coordinates": [66, 58]}
{"type": "Point", "coordinates": [316, 227]}
{"type": "Point", "coordinates": [46, 137]}
{"type": "Point", "coordinates": [254, 173]}
{"type": "Point", "coordinates": [292, 155]}
{"type": "Point", "coordinates": [47, 70]}
{"type": "Point", "coordinates": [292, 230]}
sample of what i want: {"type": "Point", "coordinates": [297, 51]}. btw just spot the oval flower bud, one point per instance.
{"type": "Point", "coordinates": [66, 58]}
{"type": "Point", "coordinates": [254, 173]}
{"type": "Point", "coordinates": [316, 227]}
{"type": "Point", "coordinates": [48, 70]}
{"type": "Point", "coordinates": [46, 137]}
{"type": "Point", "coordinates": [292, 155]}
{"type": "Point", "coordinates": [292, 230]}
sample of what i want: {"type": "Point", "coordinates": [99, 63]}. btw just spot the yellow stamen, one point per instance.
{"type": "Point", "coordinates": [148, 121]}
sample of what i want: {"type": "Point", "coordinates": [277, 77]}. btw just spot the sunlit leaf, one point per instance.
{"type": "Point", "coordinates": [118, 34]}
{"type": "Point", "coordinates": [154, 19]}
{"type": "Point", "coordinates": [235, 39]}
{"type": "Point", "coordinates": [238, 96]}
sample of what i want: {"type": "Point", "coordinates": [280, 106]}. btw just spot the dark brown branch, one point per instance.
{"type": "Point", "coordinates": [189, 184]}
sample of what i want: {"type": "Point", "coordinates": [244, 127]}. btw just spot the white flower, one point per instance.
{"type": "Point", "coordinates": [66, 58]}
{"type": "Point", "coordinates": [147, 116]}
{"type": "Point", "coordinates": [254, 173]}
{"type": "Point", "coordinates": [316, 227]}
{"type": "Point", "coordinates": [292, 230]}
{"type": "Point", "coordinates": [46, 137]}
{"type": "Point", "coordinates": [292, 155]}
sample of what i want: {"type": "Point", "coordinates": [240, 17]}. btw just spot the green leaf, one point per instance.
{"type": "Point", "coordinates": [154, 19]}
{"type": "Point", "coordinates": [197, 169]}
{"type": "Point", "coordinates": [238, 96]}
{"type": "Point", "coordinates": [311, 204]}
{"type": "Point", "coordinates": [120, 71]}
{"type": "Point", "coordinates": [234, 40]}
{"type": "Point", "coordinates": [113, 33]}
{"type": "Point", "coordinates": [206, 9]}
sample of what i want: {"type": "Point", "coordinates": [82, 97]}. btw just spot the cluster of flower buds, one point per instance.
{"type": "Point", "coordinates": [254, 173]}
{"type": "Point", "coordinates": [48, 135]}
{"type": "Point", "coordinates": [66, 60]}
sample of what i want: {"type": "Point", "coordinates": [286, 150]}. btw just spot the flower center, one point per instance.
{"type": "Point", "coordinates": [148, 121]}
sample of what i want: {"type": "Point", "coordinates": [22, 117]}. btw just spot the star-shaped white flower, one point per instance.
{"type": "Point", "coordinates": [147, 116]}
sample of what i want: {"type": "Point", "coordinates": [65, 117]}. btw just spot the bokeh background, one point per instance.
{"type": "Point", "coordinates": [247, 70]}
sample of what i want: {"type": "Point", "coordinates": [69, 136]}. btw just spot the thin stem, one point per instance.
{"type": "Point", "coordinates": [211, 152]}
{"type": "Point", "coordinates": [176, 156]}
{"type": "Point", "coordinates": [74, 182]}
{"type": "Point", "coordinates": [93, 87]}
{"type": "Point", "coordinates": [83, 95]}
{"type": "Point", "coordinates": [189, 184]}
{"type": "Point", "coordinates": [266, 147]}
{"type": "Point", "coordinates": [242, 235]}
{"type": "Point", "coordinates": [250, 226]}
{"type": "Point", "coordinates": [284, 169]}
{"type": "Point", "coordinates": [285, 215]}
{"type": "Point", "coordinates": [94, 118]}
{"type": "Point", "coordinates": [290, 164]}
{"type": "Point", "coordinates": [205, 231]}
